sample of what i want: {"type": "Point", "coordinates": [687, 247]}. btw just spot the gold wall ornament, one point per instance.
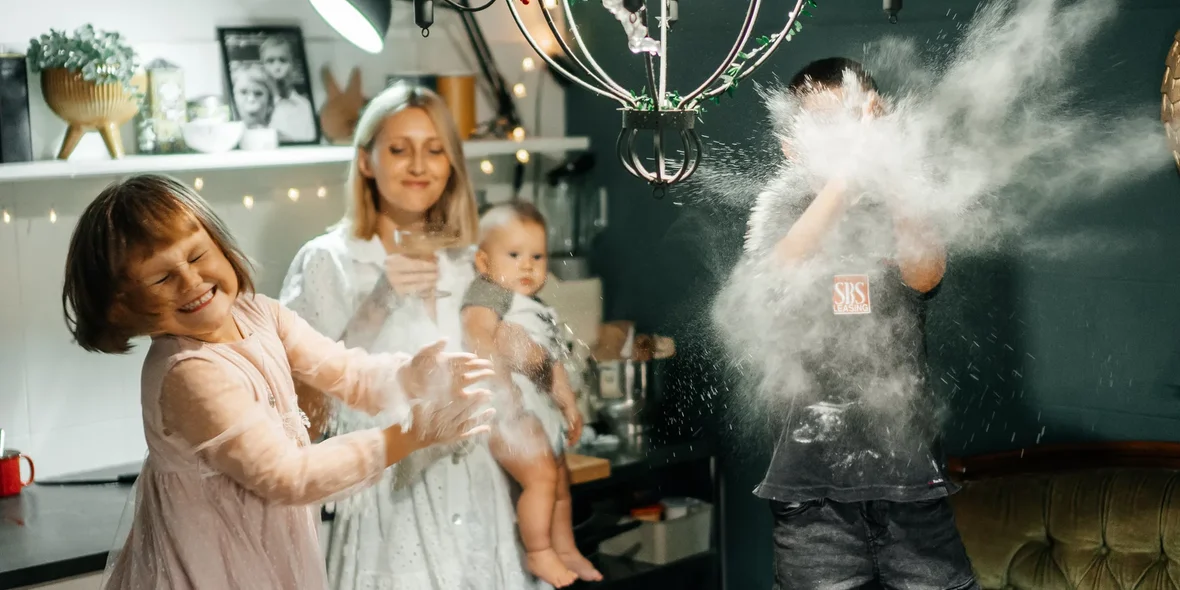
{"type": "Point", "coordinates": [1170, 109]}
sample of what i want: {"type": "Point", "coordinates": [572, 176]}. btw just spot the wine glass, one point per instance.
{"type": "Point", "coordinates": [424, 243]}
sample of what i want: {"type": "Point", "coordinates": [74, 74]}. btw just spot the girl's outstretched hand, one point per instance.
{"type": "Point", "coordinates": [436, 375]}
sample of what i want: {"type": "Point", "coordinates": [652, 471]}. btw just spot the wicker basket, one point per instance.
{"type": "Point", "coordinates": [1170, 110]}
{"type": "Point", "coordinates": [87, 106]}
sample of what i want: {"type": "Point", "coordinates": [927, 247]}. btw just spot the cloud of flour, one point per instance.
{"type": "Point", "coordinates": [980, 144]}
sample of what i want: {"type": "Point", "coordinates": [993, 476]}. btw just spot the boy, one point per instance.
{"type": "Point", "coordinates": [856, 482]}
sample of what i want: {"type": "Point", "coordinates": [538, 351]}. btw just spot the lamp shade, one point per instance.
{"type": "Point", "coordinates": [362, 22]}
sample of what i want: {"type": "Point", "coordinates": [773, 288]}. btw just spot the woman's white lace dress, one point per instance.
{"type": "Point", "coordinates": [436, 521]}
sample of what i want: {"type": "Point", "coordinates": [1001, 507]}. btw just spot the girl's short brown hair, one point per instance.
{"type": "Point", "coordinates": [129, 218]}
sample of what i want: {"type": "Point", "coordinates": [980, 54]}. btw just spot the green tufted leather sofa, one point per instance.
{"type": "Point", "coordinates": [1082, 517]}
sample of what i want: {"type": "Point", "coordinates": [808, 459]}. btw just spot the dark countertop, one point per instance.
{"type": "Point", "coordinates": [51, 532]}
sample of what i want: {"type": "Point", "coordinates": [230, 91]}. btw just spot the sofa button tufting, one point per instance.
{"type": "Point", "coordinates": [1104, 550]}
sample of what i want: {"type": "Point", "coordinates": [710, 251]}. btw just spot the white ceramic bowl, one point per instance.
{"type": "Point", "coordinates": [213, 137]}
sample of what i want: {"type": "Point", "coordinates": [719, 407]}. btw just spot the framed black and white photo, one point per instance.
{"type": "Point", "coordinates": [268, 81]}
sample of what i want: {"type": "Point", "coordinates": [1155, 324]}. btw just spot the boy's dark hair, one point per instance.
{"type": "Point", "coordinates": [828, 73]}
{"type": "Point", "coordinates": [497, 216]}
{"type": "Point", "coordinates": [130, 218]}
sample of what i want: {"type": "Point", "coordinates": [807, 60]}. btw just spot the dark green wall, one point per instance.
{"type": "Point", "coordinates": [1081, 346]}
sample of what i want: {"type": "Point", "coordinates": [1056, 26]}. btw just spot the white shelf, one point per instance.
{"type": "Point", "coordinates": [237, 159]}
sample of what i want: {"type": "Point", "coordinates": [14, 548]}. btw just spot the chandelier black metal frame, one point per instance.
{"type": "Point", "coordinates": [665, 114]}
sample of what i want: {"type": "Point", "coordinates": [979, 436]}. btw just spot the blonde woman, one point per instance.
{"type": "Point", "coordinates": [439, 520]}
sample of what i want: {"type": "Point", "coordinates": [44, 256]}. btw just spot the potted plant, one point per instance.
{"type": "Point", "coordinates": [91, 79]}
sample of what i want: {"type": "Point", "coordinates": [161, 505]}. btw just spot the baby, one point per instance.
{"type": "Point", "coordinates": [505, 322]}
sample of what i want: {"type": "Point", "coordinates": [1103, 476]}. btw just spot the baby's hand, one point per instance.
{"type": "Point", "coordinates": [573, 425]}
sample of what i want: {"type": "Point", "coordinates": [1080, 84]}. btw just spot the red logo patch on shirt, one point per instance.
{"type": "Point", "coordinates": [850, 295]}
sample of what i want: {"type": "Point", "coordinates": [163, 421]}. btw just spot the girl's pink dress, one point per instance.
{"type": "Point", "coordinates": [229, 494]}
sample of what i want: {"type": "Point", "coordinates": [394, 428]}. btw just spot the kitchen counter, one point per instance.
{"type": "Point", "coordinates": [52, 532]}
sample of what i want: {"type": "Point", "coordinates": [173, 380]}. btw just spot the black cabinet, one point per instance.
{"type": "Point", "coordinates": [640, 478]}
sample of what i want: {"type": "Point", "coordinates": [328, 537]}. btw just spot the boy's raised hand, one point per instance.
{"type": "Point", "coordinates": [874, 107]}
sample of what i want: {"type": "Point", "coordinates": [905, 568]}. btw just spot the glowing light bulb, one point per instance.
{"type": "Point", "coordinates": [199, 183]}
{"type": "Point", "coordinates": [293, 194]}
{"type": "Point", "coordinates": [248, 201]}
{"type": "Point", "coordinates": [522, 156]}
{"type": "Point", "coordinates": [518, 134]}
{"type": "Point", "coordinates": [549, 4]}
{"type": "Point", "coordinates": [52, 216]}
{"type": "Point", "coordinates": [321, 192]}
{"type": "Point", "coordinates": [486, 167]}
{"type": "Point", "coordinates": [7, 217]}
{"type": "Point", "coordinates": [519, 90]}
{"type": "Point", "coordinates": [528, 64]}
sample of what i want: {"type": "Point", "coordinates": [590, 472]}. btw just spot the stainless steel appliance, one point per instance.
{"type": "Point", "coordinates": [575, 214]}
{"type": "Point", "coordinates": [626, 396]}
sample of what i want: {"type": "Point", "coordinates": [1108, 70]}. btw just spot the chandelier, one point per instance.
{"type": "Point", "coordinates": [667, 115]}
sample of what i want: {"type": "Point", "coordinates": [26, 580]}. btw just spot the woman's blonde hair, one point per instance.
{"type": "Point", "coordinates": [455, 209]}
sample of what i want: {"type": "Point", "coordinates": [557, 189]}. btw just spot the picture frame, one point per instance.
{"type": "Point", "coordinates": [269, 82]}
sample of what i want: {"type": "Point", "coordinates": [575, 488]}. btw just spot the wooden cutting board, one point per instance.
{"type": "Point", "coordinates": [584, 468]}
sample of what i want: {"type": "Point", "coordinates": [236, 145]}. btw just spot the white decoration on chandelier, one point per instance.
{"type": "Point", "coordinates": [52, 215]}
{"type": "Point", "coordinates": [528, 64]}
{"type": "Point", "coordinates": [519, 90]}
{"type": "Point", "coordinates": [665, 116]}
{"type": "Point", "coordinates": [293, 194]}
{"type": "Point", "coordinates": [198, 183]}
{"type": "Point", "coordinates": [321, 192]}
{"type": "Point", "coordinates": [486, 167]}
{"type": "Point", "coordinates": [637, 39]}
{"type": "Point", "coordinates": [248, 201]}
{"type": "Point", "coordinates": [518, 134]}
{"type": "Point", "coordinates": [522, 156]}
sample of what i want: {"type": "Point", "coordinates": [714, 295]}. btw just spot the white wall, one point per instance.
{"type": "Point", "coordinates": [71, 410]}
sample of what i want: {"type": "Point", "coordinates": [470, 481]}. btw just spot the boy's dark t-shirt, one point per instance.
{"type": "Point", "coordinates": [865, 426]}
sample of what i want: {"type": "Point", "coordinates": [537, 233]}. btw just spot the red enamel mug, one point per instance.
{"type": "Point", "coordinates": [11, 482]}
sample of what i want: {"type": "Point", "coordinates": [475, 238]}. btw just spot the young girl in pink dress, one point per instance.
{"type": "Point", "coordinates": [224, 499]}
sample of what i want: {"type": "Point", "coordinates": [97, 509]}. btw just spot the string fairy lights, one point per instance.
{"type": "Point", "coordinates": [251, 194]}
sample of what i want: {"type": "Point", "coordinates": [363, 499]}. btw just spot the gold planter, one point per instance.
{"type": "Point", "coordinates": [87, 106]}
{"type": "Point", "coordinates": [1170, 110]}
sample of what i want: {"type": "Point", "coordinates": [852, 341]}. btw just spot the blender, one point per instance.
{"type": "Point", "coordinates": [575, 213]}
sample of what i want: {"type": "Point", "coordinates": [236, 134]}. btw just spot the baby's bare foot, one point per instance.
{"type": "Point", "coordinates": [580, 565]}
{"type": "Point", "coordinates": [545, 564]}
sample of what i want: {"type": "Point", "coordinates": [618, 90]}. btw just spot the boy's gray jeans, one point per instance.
{"type": "Point", "coordinates": [825, 545]}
